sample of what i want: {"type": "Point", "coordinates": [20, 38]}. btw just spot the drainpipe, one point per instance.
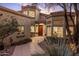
{"type": "Point", "coordinates": [64, 28]}
{"type": "Point", "coordinates": [46, 27]}
{"type": "Point", "coordinates": [52, 27]}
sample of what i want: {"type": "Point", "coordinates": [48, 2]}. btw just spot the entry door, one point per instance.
{"type": "Point", "coordinates": [40, 30]}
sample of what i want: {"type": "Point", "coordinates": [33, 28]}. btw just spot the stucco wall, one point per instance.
{"type": "Point", "coordinates": [25, 21]}
{"type": "Point", "coordinates": [58, 21]}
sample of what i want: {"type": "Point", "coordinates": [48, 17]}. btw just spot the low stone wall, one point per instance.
{"type": "Point", "coordinates": [15, 40]}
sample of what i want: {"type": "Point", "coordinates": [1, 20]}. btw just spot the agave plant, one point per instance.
{"type": "Point", "coordinates": [57, 47]}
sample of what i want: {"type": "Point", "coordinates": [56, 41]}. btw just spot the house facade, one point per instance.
{"type": "Point", "coordinates": [33, 23]}
{"type": "Point", "coordinates": [38, 27]}
{"type": "Point", "coordinates": [56, 24]}
{"type": "Point", "coordinates": [24, 23]}
{"type": "Point", "coordinates": [49, 25]}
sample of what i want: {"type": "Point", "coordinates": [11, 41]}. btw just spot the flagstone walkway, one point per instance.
{"type": "Point", "coordinates": [29, 48]}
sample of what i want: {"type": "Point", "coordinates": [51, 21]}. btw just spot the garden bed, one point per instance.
{"type": "Point", "coordinates": [24, 41]}
{"type": "Point", "coordinates": [7, 52]}
{"type": "Point", "coordinates": [55, 47]}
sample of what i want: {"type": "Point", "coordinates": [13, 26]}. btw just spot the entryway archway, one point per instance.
{"type": "Point", "coordinates": [38, 30]}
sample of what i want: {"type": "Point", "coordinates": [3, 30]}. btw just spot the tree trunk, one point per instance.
{"type": "Point", "coordinates": [71, 17]}
{"type": "Point", "coordinates": [77, 23]}
{"type": "Point", "coordinates": [66, 20]}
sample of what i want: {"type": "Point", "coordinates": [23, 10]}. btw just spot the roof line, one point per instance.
{"type": "Point", "coordinates": [14, 12]}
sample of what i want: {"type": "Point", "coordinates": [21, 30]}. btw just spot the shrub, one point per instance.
{"type": "Point", "coordinates": [57, 47]}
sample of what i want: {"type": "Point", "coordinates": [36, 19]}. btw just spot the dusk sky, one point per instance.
{"type": "Point", "coordinates": [14, 6]}
{"type": "Point", "coordinates": [17, 7]}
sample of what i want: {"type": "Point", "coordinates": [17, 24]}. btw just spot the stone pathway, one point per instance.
{"type": "Point", "coordinates": [29, 48]}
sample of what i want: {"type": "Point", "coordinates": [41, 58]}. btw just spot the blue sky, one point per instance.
{"type": "Point", "coordinates": [14, 6]}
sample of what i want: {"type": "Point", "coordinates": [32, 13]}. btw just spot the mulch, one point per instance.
{"type": "Point", "coordinates": [43, 45]}
{"type": "Point", "coordinates": [10, 50]}
{"type": "Point", "coordinates": [22, 42]}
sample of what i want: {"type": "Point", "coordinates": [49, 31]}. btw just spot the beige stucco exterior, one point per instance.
{"type": "Point", "coordinates": [21, 19]}
{"type": "Point", "coordinates": [56, 25]}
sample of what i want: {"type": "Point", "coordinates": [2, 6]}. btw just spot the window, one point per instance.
{"type": "Point", "coordinates": [32, 28]}
{"type": "Point", "coordinates": [37, 28]}
{"type": "Point", "coordinates": [31, 13]}
{"type": "Point", "coordinates": [25, 12]}
{"type": "Point", "coordinates": [71, 29]}
{"type": "Point", "coordinates": [21, 28]}
{"type": "Point", "coordinates": [48, 31]}
{"type": "Point", "coordinates": [58, 31]}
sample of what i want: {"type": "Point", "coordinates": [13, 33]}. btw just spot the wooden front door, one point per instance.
{"type": "Point", "coordinates": [40, 30]}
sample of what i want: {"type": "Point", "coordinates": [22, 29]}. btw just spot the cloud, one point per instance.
{"type": "Point", "coordinates": [25, 4]}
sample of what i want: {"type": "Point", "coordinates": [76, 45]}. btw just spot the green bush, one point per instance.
{"type": "Point", "coordinates": [8, 27]}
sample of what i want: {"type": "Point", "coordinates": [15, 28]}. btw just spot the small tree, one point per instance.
{"type": "Point", "coordinates": [9, 27]}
